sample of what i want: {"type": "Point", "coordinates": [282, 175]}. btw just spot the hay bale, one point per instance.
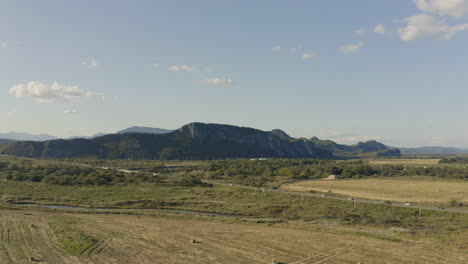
{"type": "Point", "coordinates": [32, 259]}
{"type": "Point", "coordinates": [193, 241]}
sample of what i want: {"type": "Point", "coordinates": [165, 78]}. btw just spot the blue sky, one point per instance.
{"type": "Point", "coordinates": [311, 68]}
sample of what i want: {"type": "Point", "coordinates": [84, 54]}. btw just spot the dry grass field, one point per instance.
{"type": "Point", "coordinates": [403, 161]}
{"type": "Point", "coordinates": [401, 189]}
{"type": "Point", "coordinates": [132, 239]}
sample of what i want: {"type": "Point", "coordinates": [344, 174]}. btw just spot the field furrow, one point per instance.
{"type": "Point", "coordinates": [132, 239]}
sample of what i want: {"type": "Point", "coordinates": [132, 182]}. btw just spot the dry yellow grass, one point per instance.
{"type": "Point", "coordinates": [133, 239]}
{"type": "Point", "coordinates": [399, 189]}
{"type": "Point", "coordinates": [404, 161]}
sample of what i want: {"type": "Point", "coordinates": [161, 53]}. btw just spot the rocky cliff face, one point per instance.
{"type": "Point", "coordinates": [266, 144]}
{"type": "Point", "coordinates": [280, 133]}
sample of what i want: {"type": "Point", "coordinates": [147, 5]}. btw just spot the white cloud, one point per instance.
{"type": "Point", "coordinates": [360, 32]}
{"type": "Point", "coordinates": [44, 93]}
{"type": "Point", "coordinates": [276, 48]}
{"type": "Point", "coordinates": [454, 8]}
{"type": "Point", "coordinates": [182, 68]}
{"type": "Point", "coordinates": [424, 25]}
{"type": "Point", "coordinates": [155, 65]}
{"type": "Point", "coordinates": [379, 29]}
{"type": "Point", "coordinates": [351, 48]}
{"type": "Point", "coordinates": [308, 56]}
{"type": "Point", "coordinates": [91, 63]}
{"type": "Point", "coordinates": [70, 111]}
{"type": "Point", "coordinates": [217, 81]}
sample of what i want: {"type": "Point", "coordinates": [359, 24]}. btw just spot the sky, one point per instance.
{"type": "Point", "coordinates": [394, 71]}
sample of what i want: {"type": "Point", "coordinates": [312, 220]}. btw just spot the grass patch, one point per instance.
{"type": "Point", "coordinates": [74, 241]}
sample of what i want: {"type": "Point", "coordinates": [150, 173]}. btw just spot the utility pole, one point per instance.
{"type": "Point", "coordinates": [355, 202]}
{"type": "Point", "coordinates": [419, 217]}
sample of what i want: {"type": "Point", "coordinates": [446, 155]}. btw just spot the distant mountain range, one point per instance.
{"type": "Point", "coordinates": [133, 129]}
{"type": "Point", "coordinates": [19, 136]}
{"type": "Point", "coordinates": [432, 150]}
{"type": "Point", "coordinates": [336, 149]}
{"type": "Point", "coordinates": [26, 136]}
{"type": "Point", "coordinates": [197, 141]}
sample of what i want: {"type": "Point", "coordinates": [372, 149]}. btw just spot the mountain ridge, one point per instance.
{"type": "Point", "coordinates": [196, 141]}
{"type": "Point", "coordinates": [26, 136]}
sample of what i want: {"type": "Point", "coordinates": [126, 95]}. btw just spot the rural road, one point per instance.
{"type": "Point", "coordinates": [422, 207]}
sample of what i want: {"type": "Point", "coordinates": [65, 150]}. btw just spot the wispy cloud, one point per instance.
{"type": "Point", "coordinates": [181, 68]}
{"type": "Point", "coordinates": [4, 44]}
{"type": "Point", "coordinates": [360, 32]}
{"type": "Point", "coordinates": [70, 111]}
{"type": "Point", "coordinates": [276, 48]}
{"type": "Point", "coordinates": [44, 93]}
{"type": "Point", "coordinates": [351, 48]}
{"type": "Point", "coordinates": [155, 65]}
{"type": "Point", "coordinates": [424, 26]}
{"type": "Point", "coordinates": [454, 8]}
{"type": "Point", "coordinates": [308, 56]}
{"type": "Point", "coordinates": [379, 29]}
{"type": "Point", "coordinates": [428, 25]}
{"type": "Point", "coordinates": [217, 81]}
{"type": "Point", "coordinates": [92, 63]}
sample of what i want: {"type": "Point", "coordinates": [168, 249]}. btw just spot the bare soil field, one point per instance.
{"type": "Point", "coordinates": [401, 189]}
{"type": "Point", "coordinates": [27, 234]}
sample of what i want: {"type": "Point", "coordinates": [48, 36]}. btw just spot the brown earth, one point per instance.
{"type": "Point", "coordinates": [133, 239]}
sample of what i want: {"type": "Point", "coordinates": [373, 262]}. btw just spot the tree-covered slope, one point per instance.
{"type": "Point", "coordinates": [5, 141]}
